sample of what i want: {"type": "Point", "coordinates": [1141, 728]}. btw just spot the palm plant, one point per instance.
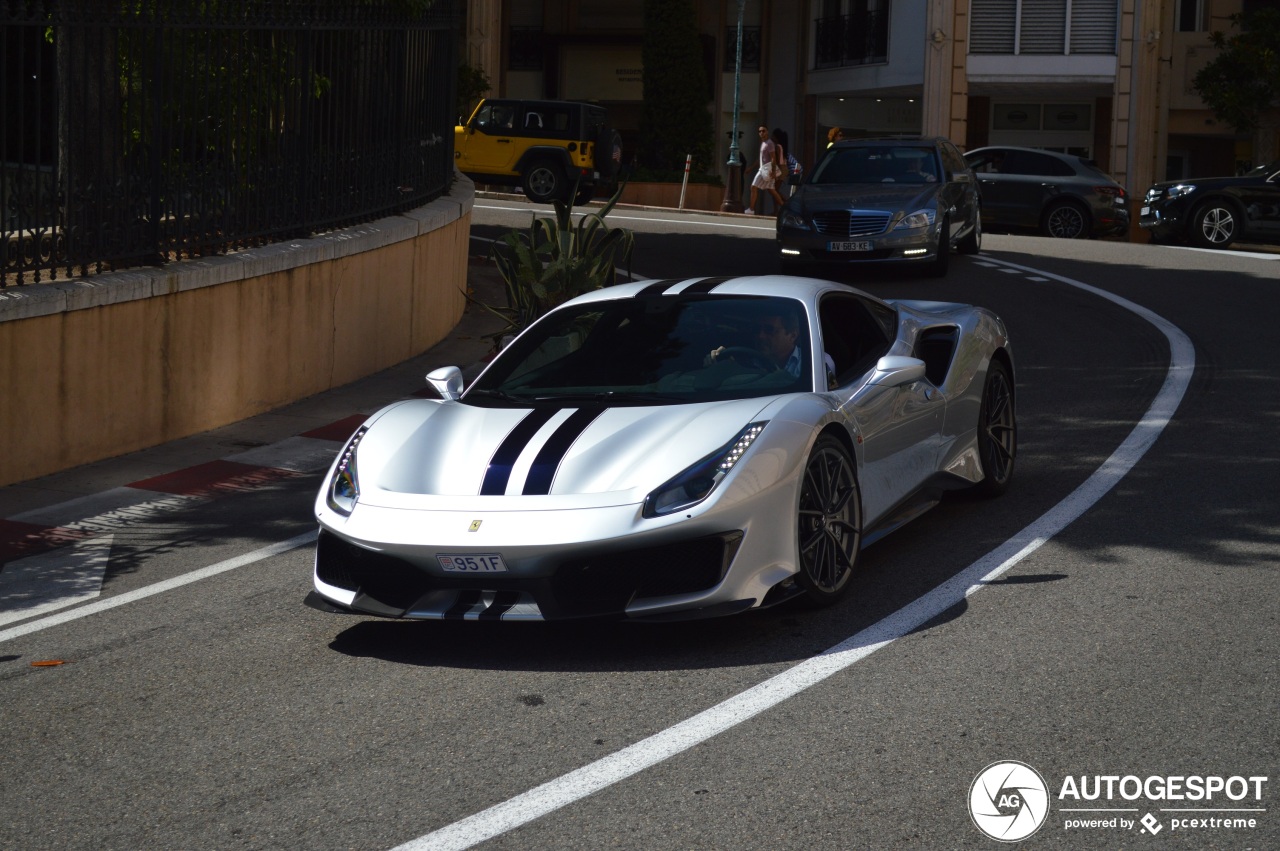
{"type": "Point", "coordinates": [556, 260]}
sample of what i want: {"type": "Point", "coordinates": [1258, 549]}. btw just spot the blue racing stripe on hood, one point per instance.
{"type": "Point", "coordinates": [498, 473]}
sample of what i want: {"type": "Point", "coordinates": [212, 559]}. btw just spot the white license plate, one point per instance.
{"type": "Point", "coordinates": [849, 246]}
{"type": "Point", "coordinates": [1146, 211]}
{"type": "Point", "coordinates": [474, 563]}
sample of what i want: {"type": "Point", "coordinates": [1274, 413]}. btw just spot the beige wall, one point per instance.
{"type": "Point", "coordinates": [95, 368]}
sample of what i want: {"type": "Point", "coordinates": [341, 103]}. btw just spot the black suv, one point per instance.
{"type": "Point", "coordinates": [1056, 194]}
{"type": "Point", "coordinates": [1214, 212]}
{"type": "Point", "coordinates": [543, 146]}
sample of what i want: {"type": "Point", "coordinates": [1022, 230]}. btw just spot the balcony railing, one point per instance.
{"type": "Point", "coordinates": [857, 39]}
{"type": "Point", "coordinates": [750, 48]}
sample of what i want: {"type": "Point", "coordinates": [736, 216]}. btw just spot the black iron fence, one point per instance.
{"type": "Point", "coordinates": [145, 131]}
{"type": "Point", "coordinates": [858, 39]}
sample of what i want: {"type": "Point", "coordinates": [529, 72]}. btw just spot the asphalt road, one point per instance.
{"type": "Point", "coordinates": [1138, 641]}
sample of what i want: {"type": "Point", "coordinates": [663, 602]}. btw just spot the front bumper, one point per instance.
{"type": "Point", "coordinates": [1161, 219]}
{"type": "Point", "coordinates": [591, 582]}
{"type": "Point", "coordinates": [915, 245]}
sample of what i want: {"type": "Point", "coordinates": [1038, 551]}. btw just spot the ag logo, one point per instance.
{"type": "Point", "coordinates": [1008, 801]}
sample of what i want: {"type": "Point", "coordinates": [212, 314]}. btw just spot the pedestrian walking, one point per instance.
{"type": "Point", "coordinates": [788, 160]}
{"type": "Point", "coordinates": [767, 172]}
{"type": "Point", "coordinates": [835, 134]}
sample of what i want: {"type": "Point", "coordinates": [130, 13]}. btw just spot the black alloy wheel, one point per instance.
{"type": "Point", "coordinates": [997, 431]}
{"type": "Point", "coordinates": [1065, 220]}
{"type": "Point", "coordinates": [1213, 225]}
{"type": "Point", "coordinates": [829, 523]}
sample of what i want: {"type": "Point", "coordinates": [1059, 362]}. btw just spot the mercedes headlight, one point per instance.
{"type": "Point", "coordinates": [344, 487]}
{"type": "Point", "coordinates": [918, 219]}
{"type": "Point", "coordinates": [696, 483]}
{"type": "Point", "coordinates": [793, 220]}
{"type": "Point", "coordinates": [1180, 190]}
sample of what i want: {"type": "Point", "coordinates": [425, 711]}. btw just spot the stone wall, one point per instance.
{"type": "Point", "coordinates": [96, 367]}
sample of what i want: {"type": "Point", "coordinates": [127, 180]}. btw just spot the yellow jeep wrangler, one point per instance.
{"type": "Point", "coordinates": [542, 146]}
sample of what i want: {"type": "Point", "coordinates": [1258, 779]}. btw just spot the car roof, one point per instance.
{"type": "Point", "coordinates": [1057, 154]}
{"type": "Point", "coordinates": [807, 290]}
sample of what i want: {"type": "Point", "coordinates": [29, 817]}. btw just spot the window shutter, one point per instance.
{"type": "Point", "coordinates": [992, 26]}
{"type": "Point", "coordinates": [1044, 27]}
{"type": "Point", "coordinates": [1093, 26]}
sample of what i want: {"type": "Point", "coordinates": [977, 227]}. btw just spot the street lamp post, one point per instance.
{"type": "Point", "coordinates": [733, 191]}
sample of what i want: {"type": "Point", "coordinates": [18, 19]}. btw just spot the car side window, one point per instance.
{"type": "Point", "coordinates": [1034, 164]}
{"type": "Point", "coordinates": [854, 334]}
{"type": "Point", "coordinates": [951, 159]}
{"type": "Point", "coordinates": [496, 118]}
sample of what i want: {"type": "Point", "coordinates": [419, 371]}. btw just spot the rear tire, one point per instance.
{"type": "Point", "coordinates": [1065, 220]}
{"type": "Point", "coordinates": [544, 182]}
{"type": "Point", "coordinates": [828, 523]}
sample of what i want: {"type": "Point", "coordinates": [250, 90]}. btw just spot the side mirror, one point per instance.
{"type": "Point", "coordinates": [896, 370]}
{"type": "Point", "coordinates": [447, 381]}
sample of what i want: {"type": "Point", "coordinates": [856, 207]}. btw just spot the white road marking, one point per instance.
{"type": "Point", "coordinates": [159, 587]}
{"type": "Point", "coordinates": [55, 580]}
{"type": "Point", "coordinates": [618, 766]}
{"type": "Point", "coordinates": [615, 215]}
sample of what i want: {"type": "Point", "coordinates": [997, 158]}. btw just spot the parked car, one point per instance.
{"type": "Point", "coordinates": [1059, 195]}
{"type": "Point", "coordinates": [1216, 211]}
{"type": "Point", "coordinates": [543, 146]}
{"type": "Point", "coordinates": [886, 200]}
{"type": "Point", "coordinates": [668, 449]}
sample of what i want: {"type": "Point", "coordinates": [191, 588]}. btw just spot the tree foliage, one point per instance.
{"type": "Point", "coordinates": [1242, 84]}
{"type": "Point", "coordinates": [676, 120]}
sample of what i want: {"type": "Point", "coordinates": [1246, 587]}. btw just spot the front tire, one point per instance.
{"type": "Point", "coordinates": [997, 431]}
{"type": "Point", "coordinates": [942, 260]}
{"type": "Point", "coordinates": [828, 523]}
{"type": "Point", "coordinates": [972, 243]}
{"type": "Point", "coordinates": [1213, 225]}
{"type": "Point", "coordinates": [544, 182]}
{"type": "Point", "coordinates": [1065, 220]}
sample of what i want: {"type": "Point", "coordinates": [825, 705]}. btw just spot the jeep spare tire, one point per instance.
{"type": "Point", "coordinates": [608, 154]}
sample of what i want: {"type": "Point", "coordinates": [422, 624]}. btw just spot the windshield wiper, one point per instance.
{"type": "Point", "coordinates": [497, 394]}
{"type": "Point", "coordinates": [605, 396]}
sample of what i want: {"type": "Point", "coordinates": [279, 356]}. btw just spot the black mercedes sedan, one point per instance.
{"type": "Point", "coordinates": [899, 200]}
{"type": "Point", "coordinates": [1214, 212]}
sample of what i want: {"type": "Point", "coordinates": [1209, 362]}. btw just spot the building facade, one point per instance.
{"type": "Point", "coordinates": [1106, 79]}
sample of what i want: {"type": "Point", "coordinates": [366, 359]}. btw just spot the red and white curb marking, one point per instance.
{"type": "Point", "coordinates": [55, 557]}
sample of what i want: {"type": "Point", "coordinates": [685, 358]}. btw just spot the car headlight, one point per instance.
{"type": "Point", "coordinates": [696, 483]}
{"type": "Point", "coordinates": [918, 219]}
{"type": "Point", "coordinates": [344, 487]}
{"type": "Point", "coordinates": [1180, 190]}
{"type": "Point", "coordinates": [793, 220]}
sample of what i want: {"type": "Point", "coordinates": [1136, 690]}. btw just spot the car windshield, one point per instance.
{"type": "Point", "coordinates": [1264, 170]}
{"type": "Point", "coordinates": [895, 164]}
{"type": "Point", "coordinates": [654, 350]}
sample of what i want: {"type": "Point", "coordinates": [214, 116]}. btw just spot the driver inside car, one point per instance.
{"type": "Point", "coordinates": [775, 338]}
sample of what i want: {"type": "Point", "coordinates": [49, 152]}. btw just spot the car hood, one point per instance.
{"type": "Point", "coordinates": [583, 455]}
{"type": "Point", "coordinates": [889, 197]}
{"type": "Point", "coordinates": [1211, 182]}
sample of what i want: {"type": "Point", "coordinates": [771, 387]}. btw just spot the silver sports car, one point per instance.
{"type": "Point", "coordinates": [668, 449]}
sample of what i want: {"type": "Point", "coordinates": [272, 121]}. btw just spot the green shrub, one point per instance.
{"type": "Point", "coordinates": [556, 260]}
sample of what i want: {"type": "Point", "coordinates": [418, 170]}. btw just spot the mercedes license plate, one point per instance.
{"type": "Point", "coordinates": [863, 245]}
{"type": "Point", "coordinates": [474, 563]}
